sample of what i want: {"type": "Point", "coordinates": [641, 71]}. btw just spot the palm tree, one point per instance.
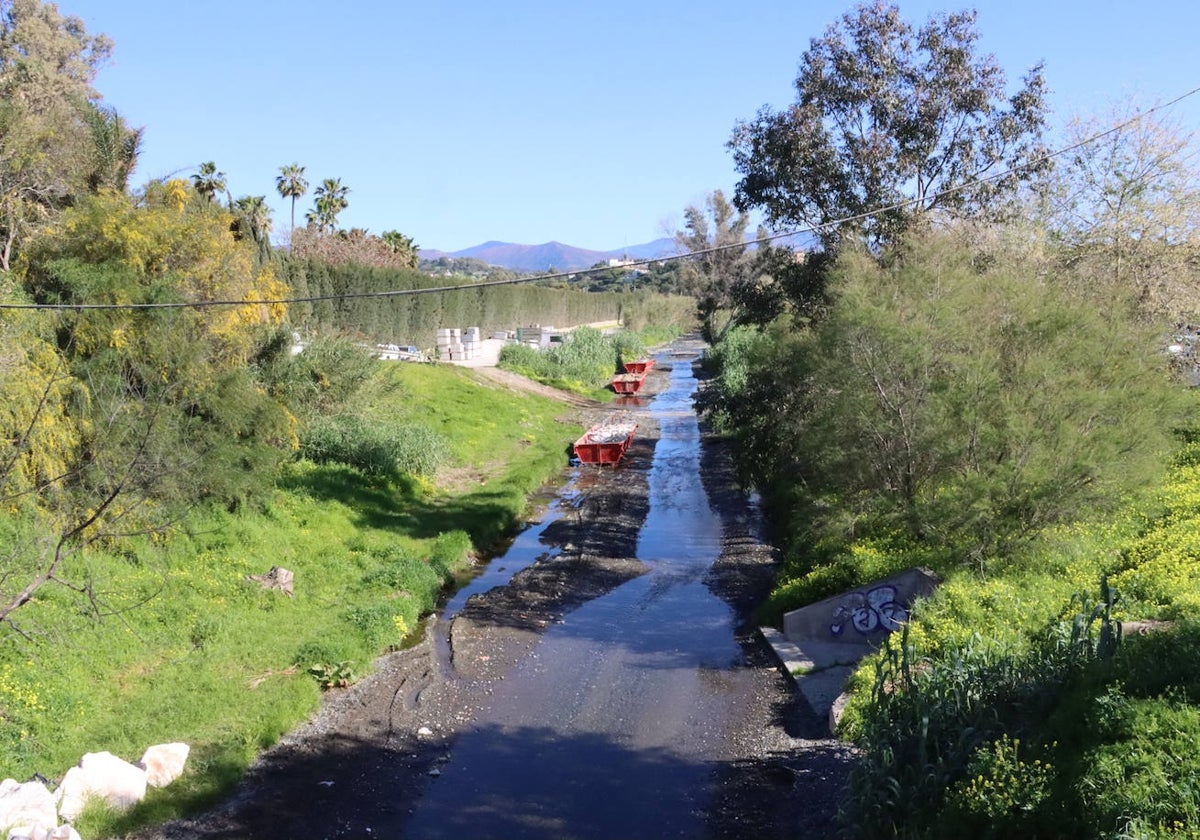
{"type": "Point", "coordinates": [254, 218]}
{"type": "Point", "coordinates": [116, 147]}
{"type": "Point", "coordinates": [208, 181]}
{"type": "Point", "coordinates": [403, 245]}
{"type": "Point", "coordinates": [292, 184]}
{"type": "Point", "coordinates": [257, 215]}
{"type": "Point", "coordinates": [330, 200]}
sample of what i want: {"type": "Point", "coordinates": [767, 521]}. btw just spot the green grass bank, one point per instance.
{"type": "Point", "coordinates": [186, 648]}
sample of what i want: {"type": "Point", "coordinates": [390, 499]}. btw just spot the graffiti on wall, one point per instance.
{"type": "Point", "coordinates": [867, 612]}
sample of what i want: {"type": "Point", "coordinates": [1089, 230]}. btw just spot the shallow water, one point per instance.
{"type": "Point", "coordinates": [610, 727]}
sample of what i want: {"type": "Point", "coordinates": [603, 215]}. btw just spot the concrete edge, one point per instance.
{"type": "Point", "coordinates": [818, 671]}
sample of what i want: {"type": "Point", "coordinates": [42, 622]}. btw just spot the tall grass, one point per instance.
{"type": "Point", "coordinates": [1016, 706]}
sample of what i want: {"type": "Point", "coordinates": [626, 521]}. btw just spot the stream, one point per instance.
{"type": "Point", "coordinates": [612, 726]}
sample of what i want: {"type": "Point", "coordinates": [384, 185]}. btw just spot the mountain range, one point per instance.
{"type": "Point", "coordinates": [553, 255]}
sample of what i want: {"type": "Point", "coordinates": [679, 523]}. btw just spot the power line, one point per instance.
{"type": "Point", "coordinates": [560, 275]}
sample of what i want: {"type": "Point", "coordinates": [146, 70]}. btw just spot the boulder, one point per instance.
{"type": "Point", "coordinates": [277, 578]}
{"type": "Point", "coordinates": [119, 783]}
{"type": "Point", "coordinates": [28, 807]}
{"type": "Point", "coordinates": [164, 763]}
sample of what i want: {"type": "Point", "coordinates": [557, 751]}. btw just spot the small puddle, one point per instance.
{"type": "Point", "coordinates": [610, 727]}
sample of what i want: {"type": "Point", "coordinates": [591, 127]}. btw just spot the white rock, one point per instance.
{"type": "Point", "coordinates": [164, 763]}
{"type": "Point", "coordinates": [119, 783]}
{"type": "Point", "coordinates": [27, 832]}
{"type": "Point", "coordinates": [63, 832]}
{"type": "Point", "coordinates": [29, 806]}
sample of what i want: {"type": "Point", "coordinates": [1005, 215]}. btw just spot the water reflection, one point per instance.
{"type": "Point", "coordinates": [628, 694]}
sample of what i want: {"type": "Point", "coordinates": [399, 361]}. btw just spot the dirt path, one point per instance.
{"type": "Point", "coordinates": [515, 382]}
{"type": "Point", "coordinates": [359, 767]}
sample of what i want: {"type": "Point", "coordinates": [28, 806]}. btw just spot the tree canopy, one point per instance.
{"type": "Point", "coordinates": [891, 124]}
{"type": "Point", "coordinates": [720, 231]}
{"type": "Point", "coordinates": [965, 405]}
{"type": "Point", "coordinates": [57, 141]}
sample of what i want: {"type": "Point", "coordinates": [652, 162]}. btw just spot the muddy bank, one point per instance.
{"type": "Point", "coordinates": [359, 767]}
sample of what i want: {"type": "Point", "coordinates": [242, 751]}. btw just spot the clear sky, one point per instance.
{"type": "Point", "coordinates": [527, 121]}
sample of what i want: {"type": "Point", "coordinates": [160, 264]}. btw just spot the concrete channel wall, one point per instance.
{"type": "Point", "coordinates": [821, 643]}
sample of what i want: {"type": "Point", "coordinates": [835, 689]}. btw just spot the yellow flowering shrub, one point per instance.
{"type": "Point", "coordinates": [1001, 785]}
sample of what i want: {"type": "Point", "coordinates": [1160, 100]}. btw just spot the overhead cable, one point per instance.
{"type": "Point", "coordinates": [562, 275]}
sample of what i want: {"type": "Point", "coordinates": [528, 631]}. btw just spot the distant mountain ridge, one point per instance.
{"type": "Point", "coordinates": [553, 255]}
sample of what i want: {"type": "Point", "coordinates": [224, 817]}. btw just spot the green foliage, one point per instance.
{"type": "Point", "coordinates": [1145, 772]}
{"type": "Point", "coordinates": [332, 674]}
{"type": "Point", "coordinates": [891, 116]}
{"type": "Point", "coordinates": [732, 360]}
{"type": "Point", "coordinates": [415, 319]}
{"type": "Point", "coordinates": [323, 379]}
{"type": "Point", "coordinates": [1001, 714]}
{"type": "Point", "coordinates": [585, 362]}
{"type": "Point", "coordinates": [374, 447]}
{"type": "Point", "coordinates": [203, 655]}
{"type": "Point", "coordinates": [153, 410]}
{"type": "Point", "coordinates": [964, 405]}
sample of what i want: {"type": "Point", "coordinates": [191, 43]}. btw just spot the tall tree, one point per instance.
{"type": "Point", "coordinates": [891, 124]}
{"type": "Point", "coordinates": [719, 231]}
{"type": "Point", "coordinates": [1127, 208]}
{"type": "Point", "coordinates": [47, 59]}
{"type": "Point", "coordinates": [291, 183]}
{"type": "Point", "coordinates": [116, 146]}
{"type": "Point", "coordinates": [208, 181]}
{"type": "Point", "coordinates": [330, 200]}
{"type": "Point", "coordinates": [401, 245]}
{"type": "Point", "coordinates": [48, 152]}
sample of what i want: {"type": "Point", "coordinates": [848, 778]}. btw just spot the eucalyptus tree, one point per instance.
{"type": "Point", "coordinates": [47, 65]}
{"type": "Point", "coordinates": [47, 59]}
{"type": "Point", "coordinates": [892, 125]}
{"type": "Point", "coordinates": [291, 183]}
{"type": "Point", "coordinates": [718, 231]}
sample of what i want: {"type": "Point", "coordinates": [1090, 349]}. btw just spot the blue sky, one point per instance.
{"type": "Point", "coordinates": [592, 124]}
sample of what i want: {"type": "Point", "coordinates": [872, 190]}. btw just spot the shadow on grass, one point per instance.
{"type": "Point", "coordinates": [488, 515]}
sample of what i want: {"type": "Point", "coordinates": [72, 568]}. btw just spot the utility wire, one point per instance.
{"type": "Point", "coordinates": [560, 275]}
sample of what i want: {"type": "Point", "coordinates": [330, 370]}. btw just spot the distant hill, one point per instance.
{"type": "Point", "coordinates": [556, 255]}
{"type": "Point", "coordinates": [560, 257]}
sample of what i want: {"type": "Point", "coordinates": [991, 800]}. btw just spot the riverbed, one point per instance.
{"type": "Point", "coordinates": [602, 681]}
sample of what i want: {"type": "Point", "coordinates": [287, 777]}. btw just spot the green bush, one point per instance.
{"type": "Point", "coordinates": [1003, 792]}
{"type": "Point", "coordinates": [377, 624]}
{"type": "Point", "coordinates": [587, 360]}
{"type": "Point", "coordinates": [1075, 734]}
{"type": "Point", "coordinates": [451, 550]}
{"type": "Point", "coordinates": [375, 447]}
